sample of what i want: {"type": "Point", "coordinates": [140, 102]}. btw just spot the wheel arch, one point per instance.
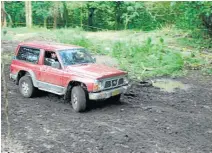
{"type": "Point", "coordinates": [30, 73]}
{"type": "Point", "coordinates": [72, 84]}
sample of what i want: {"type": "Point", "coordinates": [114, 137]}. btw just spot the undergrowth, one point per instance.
{"type": "Point", "coordinates": [141, 59]}
{"type": "Point", "coordinates": [200, 40]}
{"type": "Point", "coordinates": [147, 59]}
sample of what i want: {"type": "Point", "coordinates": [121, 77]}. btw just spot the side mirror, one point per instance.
{"type": "Point", "coordinates": [56, 65]}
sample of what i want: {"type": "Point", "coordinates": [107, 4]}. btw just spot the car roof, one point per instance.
{"type": "Point", "coordinates": [49, 45]}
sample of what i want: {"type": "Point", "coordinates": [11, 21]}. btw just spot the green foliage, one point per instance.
{"type": "Point", "coordinates": [16, 11]}
{"type": "Point", "coordinates": [147, 59]}
{"type": "Point", "coordinates": [192, 13]}
{"type": "Point", "coordinates": [141, 58]}
{"type": "Point", "coordinates": [115, 15]}
{"type": "Point", "coordinates": [132, 11]}
{"type": "Point", "coordinates": [207, 71]}
{"type": "Point", "coordinates": [41, 10]}
{"type": "Point", "coordinates": [198, 43]}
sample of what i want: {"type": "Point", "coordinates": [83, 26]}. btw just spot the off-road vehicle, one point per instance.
{"type": "Point", "coordinates": [65, 70]}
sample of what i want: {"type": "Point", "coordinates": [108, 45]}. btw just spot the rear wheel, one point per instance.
{"type": "Point", "coordinates": [78, 99]}
{"type": "Point", "coordinates": [26, 87]}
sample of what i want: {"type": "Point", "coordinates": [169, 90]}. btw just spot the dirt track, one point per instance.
{"type": "Point", "coordinates": [147, 120]}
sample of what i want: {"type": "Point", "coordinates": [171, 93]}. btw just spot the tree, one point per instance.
{"type": "Point", "coordinates": [132, 12]}
{"type": "Point", "coordinates": [42, 10]}
{"type": "Point", "coordinates": [117, 11]}
{"type": "Point", "coordinates": [15, 12]}
{"type": "Point", "coordinates": [109, 14]}
{"type": "Point", "coordinates": [74, 13]}
{"type": "Point", "coordinates": [55, 13]}
{"type": "Point", "coordinates": [91, 8]}
{"type": "Point", "coordinates": [65, 13]}
{"type": "Point", "coordinates": [28, 13]}
{"type": "Point", "coordinates": [3, 15]}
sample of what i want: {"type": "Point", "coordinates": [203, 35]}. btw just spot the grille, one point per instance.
{"type": "Point", "coordinates": [107, 84]}
{"type": "Point", "coordinates": [113, 83]}
{"type": "Point", "coordinates": [121, 81]}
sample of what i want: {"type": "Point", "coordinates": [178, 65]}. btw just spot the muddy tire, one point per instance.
{"type": "Point", "coordinates": [26, 87]}
{"type": "Point", "coordinates": [78, 99]}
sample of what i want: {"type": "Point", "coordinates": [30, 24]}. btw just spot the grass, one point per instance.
{"type": "Point", "coordinates": [142, 54]}
{"type": "Point", "coordinates": [196, 43]}
{"type": "Point", "coordinates": [147, 59]}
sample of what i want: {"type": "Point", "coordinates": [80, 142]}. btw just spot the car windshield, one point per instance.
{"type": "Point", "coordinates": [75, 56]}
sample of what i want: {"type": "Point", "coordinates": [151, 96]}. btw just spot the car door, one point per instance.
{"type": "Point", "coordinates": [51, 77]}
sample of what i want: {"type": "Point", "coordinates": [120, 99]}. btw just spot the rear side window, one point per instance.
{"type": "Point", "coordinates": [28, 54]}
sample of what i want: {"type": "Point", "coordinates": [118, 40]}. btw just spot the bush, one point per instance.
{"type": "Point", "coordinates": [147, 59]}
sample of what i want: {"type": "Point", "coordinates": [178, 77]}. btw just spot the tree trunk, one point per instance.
{"type": "Point", "coordinates": [45, 22]}
{"type": "Point", "coordinates": [81, 15]}
{"type": "Point", "coordinates": [3, 15]}
{"type": "Point", "coordinates": [55, 22]}
{"type": "Point", "coordinates": [28, 15]}
{"type": "Point", "coordinates": [117, 15]}
{"type": "Point", "coordinates": [126, 22]}
{"type": "Point", "coordinates": [56, 6]}
{"type": "Point", "coordinates": [10, 19]}
{"type": "Point", "coordinates": [65, 14]}
{"type": "Point", "coordinates": [90, 17]}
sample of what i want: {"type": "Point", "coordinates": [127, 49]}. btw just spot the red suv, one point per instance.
{"type": "Point", "coordinates": [65, 70]}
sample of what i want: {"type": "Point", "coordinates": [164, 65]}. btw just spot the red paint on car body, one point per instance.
{"type": "Point", "coordinates": [85, 73]}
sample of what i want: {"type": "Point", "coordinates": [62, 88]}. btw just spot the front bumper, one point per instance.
{"type": "Point", "coordinates": [108, 93]}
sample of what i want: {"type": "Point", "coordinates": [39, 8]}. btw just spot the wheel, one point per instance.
{"type": "Point", "coordinates": [78, 99]}
{"type": "Point", "coordinates": [115, 99]}
{"type": "Point", "coordinates": [26, 87]}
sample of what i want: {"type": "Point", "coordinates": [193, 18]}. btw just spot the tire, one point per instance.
{"type": "Point", "coordinates": [78, 99]}
{"type": "Point", "coordinates": [26, 87]}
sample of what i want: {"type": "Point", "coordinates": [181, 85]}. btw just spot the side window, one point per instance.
{"type": "Point", "coordinates": [50, 58]}
{"type": "Point", "coordinates": [28, 54]}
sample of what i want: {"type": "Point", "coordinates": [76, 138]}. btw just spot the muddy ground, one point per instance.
{"type": "Point", "coordinates": [148, 120]}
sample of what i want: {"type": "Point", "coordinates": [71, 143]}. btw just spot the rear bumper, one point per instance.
{"type": "Point", "coordinates": [108, 93]}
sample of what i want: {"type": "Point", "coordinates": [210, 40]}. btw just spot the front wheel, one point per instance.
{"type": "Point", "coordinates": [78, 99]}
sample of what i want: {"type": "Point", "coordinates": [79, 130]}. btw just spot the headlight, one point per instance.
{"type": "Point", "coordinates": [98, 85]}
{"type": "Point", "coordinates": [126, 80]}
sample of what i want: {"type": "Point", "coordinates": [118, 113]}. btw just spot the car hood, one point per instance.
{"type": "Point", "coordinates": [96, 71]}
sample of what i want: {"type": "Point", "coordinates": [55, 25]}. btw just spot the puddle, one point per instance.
{"type": "Point", "coordinates": [169, 85]}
